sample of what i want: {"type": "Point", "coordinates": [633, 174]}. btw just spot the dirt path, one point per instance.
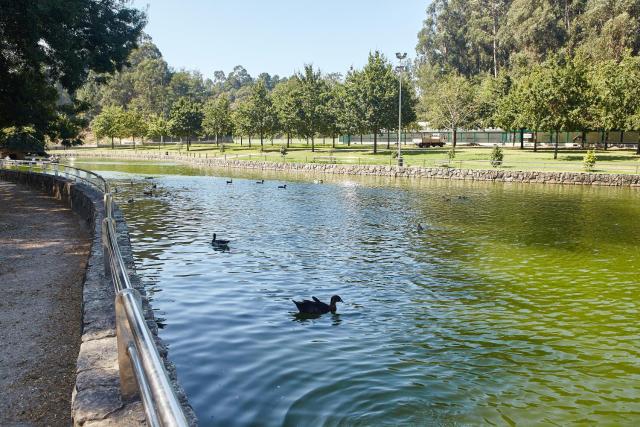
{"type": "Point", "coordinates": [43, 253]}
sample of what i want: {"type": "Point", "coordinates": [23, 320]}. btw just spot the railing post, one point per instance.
{"type": "Point", "coordinates": [106, 253]}
{"type": "Point", "coordinates": [128, 383]}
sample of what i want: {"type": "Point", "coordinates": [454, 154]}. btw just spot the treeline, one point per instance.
{"type": "Point", "coordinates": [537, 65]}
{"type": "Point", "coordinates": [148, 99]}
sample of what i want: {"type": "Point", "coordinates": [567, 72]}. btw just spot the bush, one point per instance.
{"type": "Point", "coordinates": [496, 157]}
{"type": "Point", "coordinates": [451, 154]}
{"type": "Point", "coordinates": [283, 150]}
{"type": "Point", "coordinates": [222, 148]}
{"type": "Point", "coordinates": [589, 160]}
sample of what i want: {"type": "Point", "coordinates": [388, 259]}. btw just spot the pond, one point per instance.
{"type": "Point", "coordinates": [517, 304]}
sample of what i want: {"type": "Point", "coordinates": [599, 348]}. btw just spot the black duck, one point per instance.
{"type": "Point", "coordinates": [316, 306]}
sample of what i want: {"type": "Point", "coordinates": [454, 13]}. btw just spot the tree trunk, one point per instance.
{"type": "Point", "coordinates": [621, 137]}
{"type": "Point", "coordinates": [333, 141]}
{"type": "Point", "coordinates": [288, 140]}
{"type": "Point", "coordinates": [638, 148]}
{"type": "Point", "coordinates": [113, 147]}
{"type": "Point", "coordinates": [348, 140]}
{"type": "Point", "coordinates": [261, 142]}
{"type": "Point", "coordinates": [313, 145]}
{"type": "Point", "coordinates": [217, 139]}
{"type": "Point", "coordinates": [388, 139]}
{"type": "Point", "coordinates": [521, 139]}
{"type": "Point", "coordinates": [555, 147]}
{"type": "Point", "coordinates": [375, 141]}
{"type": "Point", "coordinates": [360, 139]}
{"type": "Point", "coordinates": [249, 141]}
{"type": "Point", "coordinates": [606, 140]}
{"type": "Point", "coordinates": [583, 135]}
{"type": "Point", "coordinates": [455, 137]}
{"type": "Point", "coordinates": [134, 143]}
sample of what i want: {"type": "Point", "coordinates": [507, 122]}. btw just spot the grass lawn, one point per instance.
{"type": "Point", "coordinates": [611, 161]}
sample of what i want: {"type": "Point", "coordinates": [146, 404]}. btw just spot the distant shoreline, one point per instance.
{"type": "Point", "coordinates": [495, 175]}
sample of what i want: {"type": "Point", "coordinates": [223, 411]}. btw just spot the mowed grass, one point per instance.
{"type": "Point", "coordinates": [570, 160]}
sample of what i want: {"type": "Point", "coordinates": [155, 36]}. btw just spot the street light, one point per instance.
{"type": "Point", "coordinates": [400, 68]}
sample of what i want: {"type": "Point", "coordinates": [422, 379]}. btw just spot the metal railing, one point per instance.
{"type": "Point", "coordinates": [141, 367]}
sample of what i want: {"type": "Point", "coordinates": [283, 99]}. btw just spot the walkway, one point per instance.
{"type": "Point", "coordinates": [43, 253]}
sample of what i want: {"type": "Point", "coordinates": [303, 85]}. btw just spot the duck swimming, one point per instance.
{"type": "Point", "coordinates": [316, 306]}
{"type": "Point", "coordinates": [218, 242]}
{"type": "Point", "coordinates": [260, 182]}
{"type": "Point", "coordinates": [284, 187]}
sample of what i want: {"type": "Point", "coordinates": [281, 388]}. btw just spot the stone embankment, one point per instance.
{"type": "Point", "coordinates": [96, 399]}
{"type": "Point", "coordinates": [495, 175]}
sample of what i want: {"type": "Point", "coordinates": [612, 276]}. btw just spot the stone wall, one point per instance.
{"type": "Point", "coordinates": [96, 397]}
{"type": "Point", "coordinates": [495, 175]}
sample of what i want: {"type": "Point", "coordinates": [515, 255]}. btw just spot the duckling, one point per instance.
{"type": "Point", "coordinates": [284, 187]}
{"type": "Point", "coordinates": [260, 182]}
{"type": "Point", "coordinates": [218, 242]}
{"type": "Point", "coordinates": [316, 306]}
{"type": "Point", "coordinates": [230, 181]}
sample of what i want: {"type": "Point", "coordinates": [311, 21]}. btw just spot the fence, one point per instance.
{"type": "Point", "coordinates": [140, 365]}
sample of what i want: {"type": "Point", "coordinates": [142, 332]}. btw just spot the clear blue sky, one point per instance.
{"type": "Point", "coordinates": [280, 36]}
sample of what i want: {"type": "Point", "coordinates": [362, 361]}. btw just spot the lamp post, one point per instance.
{"type": "Point", "coordinates": [400, 68]}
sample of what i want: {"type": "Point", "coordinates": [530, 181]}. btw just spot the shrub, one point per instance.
{"type": "Point", "coordinates": [496, 157]}
{"type": "Point", "coordinates": [451, 154]}
{"type": "Point", "coordinates": [222, 148]}
{"type": "Point", "coordinates": [283, 150]}
{"type": "Point", "coordinates": [589, 160]}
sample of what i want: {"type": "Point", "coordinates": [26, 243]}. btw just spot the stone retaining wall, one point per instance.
{"type": "Point", "coordinates": [496, 175]}
{"type": "Point", "coordinates": [96, 397]}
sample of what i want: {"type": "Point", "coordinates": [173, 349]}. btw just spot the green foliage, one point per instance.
{"type": "Point", "coordinates": [185, 119]}
{"type": "Point", "coordinates": [451, 154]}
{"type": "Point", "coordinates": [287, 101]}
{"type": "Point", "coordinates": [450, 103]}
{"type": "Point", "coordinates": [48, 47]}
{"type": "Point", "coordinates": [109, 123]}
{"type": "Point", "coordinates": [157, 126]}
{"type": "Point", "coordinates": [589, 160]}
{"type": "Point", "coordinates": [283, 150]}
{"type": "Point", "coordinates": [217, 117]}
{"type": "Point", "coordinates": [314, 96]}
{"type": "Point", "coordinates": [261, 118]}
{"type": "Point", "coordinates": [496, 157]}
{"type": "Point", "coordinates": [24, 139]}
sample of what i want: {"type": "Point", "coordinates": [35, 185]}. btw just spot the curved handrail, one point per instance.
{"type": "Point", "coordinates": [141, 368]}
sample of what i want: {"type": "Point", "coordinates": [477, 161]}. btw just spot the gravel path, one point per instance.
{"type": "Point", "coordinates": [43, 253]}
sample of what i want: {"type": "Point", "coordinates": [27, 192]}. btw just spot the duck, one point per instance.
{"type": "Point", "coordinates": [318, 181]}
{"type": "Point", "coordinates": [420, 227]}
{"type": "Point", "coordinates": [130, 201]}
{"type": "Point", "coordinates": [316, 306]}
{"type": "Point", "coordinates": [148, 177]}
{"type": "Point", "coordinates": [218, 242]}
{"type": "Point", "coordinates": [284, 187]}
{"type": "Point", "coordinates": [148, 192]}
{"type": "Point", "coordinates": [260, 182]}
{"type": "Point", "coordinates": [155, 185]}
{"type": "Point", "coordinates": [230, 181]}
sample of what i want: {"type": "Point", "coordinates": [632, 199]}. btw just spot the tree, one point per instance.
{"type": "Point", "coordinates": [109, 123]}
{"type": "Point", "coordinates": [451, 104]}
{"type": "Point", "coordinates": [552, 97]}
{"type": "Point", "coordinates": [241, 117]}
{"type": "Point", "coordinates": [49, 43]}
{"type": "Point", "coordinates": [157, 127]}
{"type": "Point", "coordinates": [185, 119]}
{"type": "Point", "coordinates": [287, 102]}
{"type": "Point", "coordinates": [261, 112]}
{"type": "Point", "coordinates": [350, 107]}
{"type": "Point", "coordinates": [313, 96]}
{"type": "Point", "coordinates": [614, 90]}
{"type": "Point", "coordinates": [376, 88]}
{"type": "Point", "coordinates": [135, 125]}
{"type": "Point", "coordinates": [217, 117]}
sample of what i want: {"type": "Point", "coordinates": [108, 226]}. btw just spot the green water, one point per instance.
{"type": "Point", "coordinates": [517, 305]}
